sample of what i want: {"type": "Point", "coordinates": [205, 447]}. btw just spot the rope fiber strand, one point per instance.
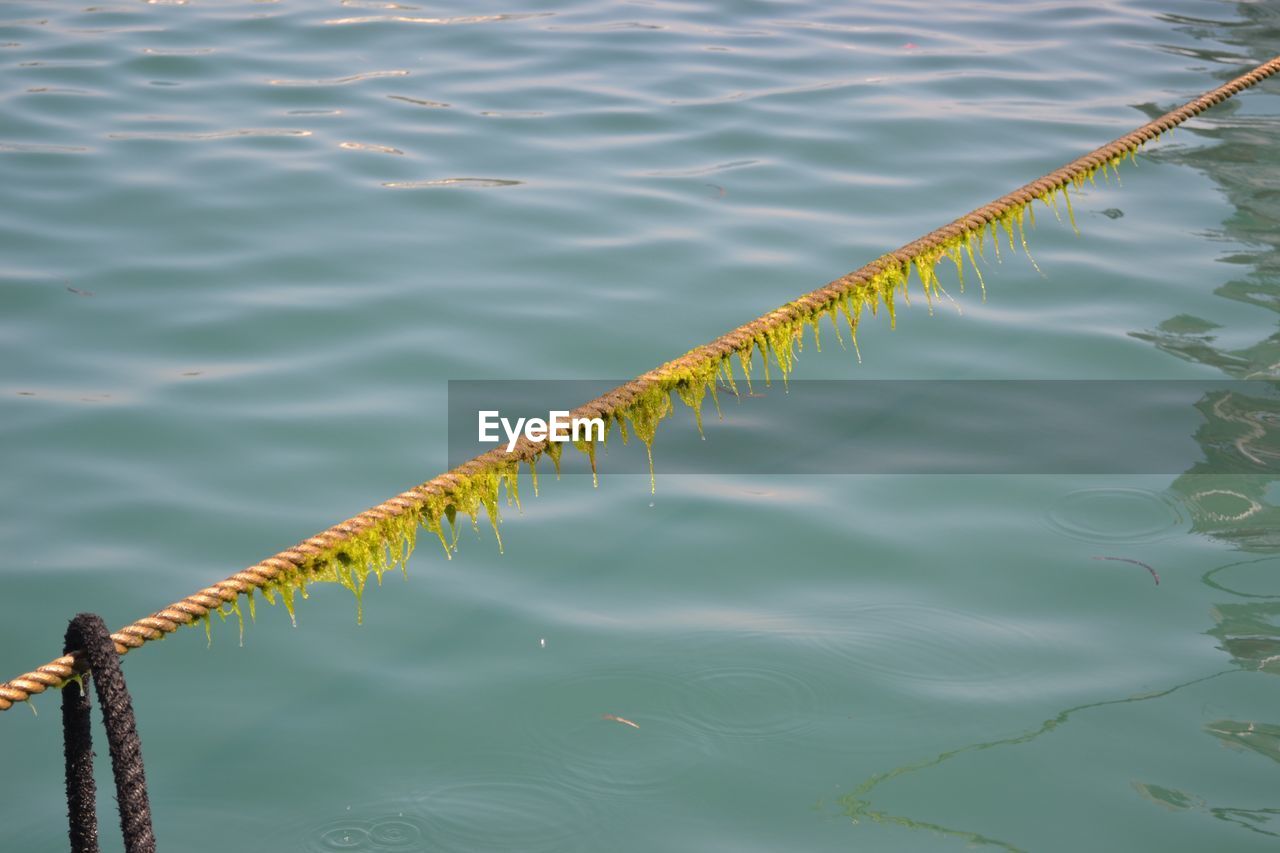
{"type": "Point", "coordinates": [345, 551]}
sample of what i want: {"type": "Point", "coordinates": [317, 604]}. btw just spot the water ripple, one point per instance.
{"type": "Point", "coordinates": [375, 4]}
{"type": "Point", "coordinates": [505, 812]}
{"type": "Point", "coordinates": [376, 835]}
{"type": "Point", "coordinates": [37, 148]}
{"type": "Point", "coordinates": [1114, 515]}
{"type": "Point", "coordinates": [459, 19]}
{"type": "Point", "coordinates": [366, 146]}
{"type": "Point", "coordinates": [179, 51]}
{"type": "Point", "coordinates": [385, 826]}
{"type": "Point", "coordinates": [700, 170]}
{"type": "Point", "coordinates": [749, 701]}
{"type": "Point", "coordinates": [57, 90]}
{"type": "Point", "coordinates": [422, 102]}
{"type": "Point", "coordinates": [599, 755]}
{"type": "Point", "coordinates": [929, 646]}
{"type": "Point", "coordinates": [210, 135]}
{"type": "Point", "coordinates": [342, 81]}
{"type": "Point", "coordinates": [464, 183]}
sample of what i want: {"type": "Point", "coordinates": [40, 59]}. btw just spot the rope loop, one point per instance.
{"type": "Point", "coordinates": [90, 635]}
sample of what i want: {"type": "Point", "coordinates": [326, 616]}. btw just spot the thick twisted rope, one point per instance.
{"type": "Point", "coordinates": [88, 632]}
{"type": "Point", "coordinates": [425, 501]}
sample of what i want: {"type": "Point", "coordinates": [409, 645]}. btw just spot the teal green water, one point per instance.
{"type": "Point", "coordinates": [244, 246]}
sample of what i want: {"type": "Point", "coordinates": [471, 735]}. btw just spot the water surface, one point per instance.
{"type": "Point", "coordinates": [244, 246]}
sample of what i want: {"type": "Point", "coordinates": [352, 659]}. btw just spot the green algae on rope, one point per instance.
{"type": "Point", "coordinates": [381, 537]}
{"type": "Point", "coordinates": [689, 380]}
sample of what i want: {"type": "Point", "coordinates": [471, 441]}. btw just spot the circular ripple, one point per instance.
{"type": "Point", "coordinates": [567, 723]}
{"type": "Point", "coordinates": [382, 834]}
{"type": "Point", "coordinates": [749, 702]}
{"type": "Point", "coordinates": [505, 813]}
{"type": "Point", "coordinates": [930, 646]}
{"type": "Point", "coordinates": [1113, 515]}
{"type": "Point", "coordinates": [396, 834]}
{"type": "Point", "coordinates": [386, 826]}
{"type": "Point", "coordinates": [341, 835]}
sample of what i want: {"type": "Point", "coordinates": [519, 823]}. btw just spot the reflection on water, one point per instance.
{"type": "Point", "coordinates": [1175, 800]}
{"type": "Point", "coordinates": [857, 804]}
{"type": "Point", "coordinates": [1260, 738]}
{"type": "Point", "coordinates": [1240, 508]}
{"type": "Point", "coordinates": [1236, 508]}
{"type": "Point", "coordinates": [1250, 634]}
{"type": "Point", "coordinates": [1240, 435]}
{"type": "Point", "coordinates": [1246, 578]}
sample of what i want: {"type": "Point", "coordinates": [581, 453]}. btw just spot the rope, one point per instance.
{"type": "Point", "coordinates": [89, 633]}
{"type": "Point", "coordinates": [457, 489]}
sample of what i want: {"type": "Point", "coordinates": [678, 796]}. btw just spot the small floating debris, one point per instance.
{"type": "Point", "coordinates": [618, 719]}
{"type": "Point", "coordinates": [1154, 573]}
{"type": "Point", "coordinates": [78, 292]}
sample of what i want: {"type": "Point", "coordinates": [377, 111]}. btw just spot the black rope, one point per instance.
{"type": "Point", "coordinates": [88, 634]}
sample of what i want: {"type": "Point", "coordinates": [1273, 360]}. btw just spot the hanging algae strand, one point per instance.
{"type": "Point", "coordinates": [387, 527]}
